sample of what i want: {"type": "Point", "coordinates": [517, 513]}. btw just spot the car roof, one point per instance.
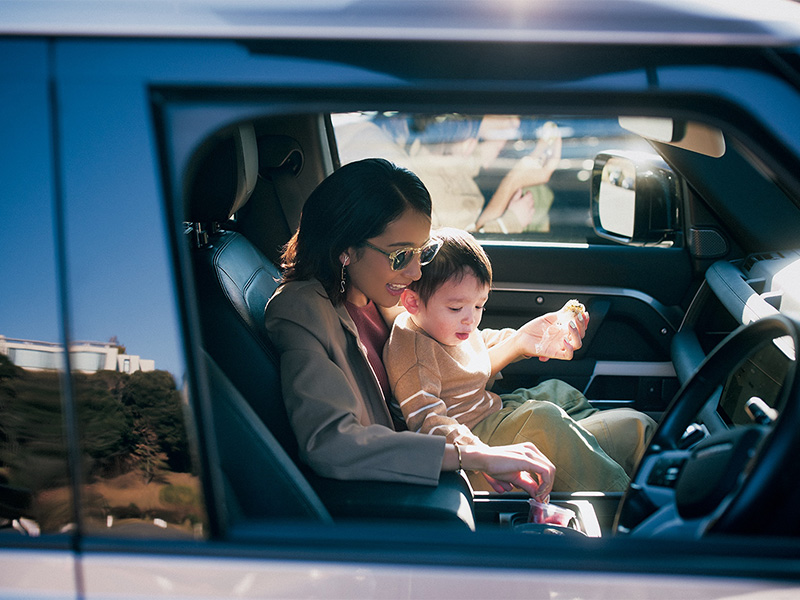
{"type": "Point", "coordinates": [671, 22]}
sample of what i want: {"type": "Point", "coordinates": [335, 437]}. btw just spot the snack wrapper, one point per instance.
{"type": "Point", "coordinates": [552, 342]}
{"type": "Point", "coordinates": [549, 514]}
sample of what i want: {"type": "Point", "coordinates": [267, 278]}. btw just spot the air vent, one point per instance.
{"type": "Point", "coordinates": [751, 260]}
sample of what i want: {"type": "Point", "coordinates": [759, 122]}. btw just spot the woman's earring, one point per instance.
{"type": "Point", "coordinates": [344, 264]}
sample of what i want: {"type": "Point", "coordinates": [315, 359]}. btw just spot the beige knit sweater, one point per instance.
{"type": "Point", "coordinates": [441, 389]}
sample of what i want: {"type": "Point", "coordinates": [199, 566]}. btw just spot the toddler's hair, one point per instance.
{"type": "Point", "coordinates": [460, 254]}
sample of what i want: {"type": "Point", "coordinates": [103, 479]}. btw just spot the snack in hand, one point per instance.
{"type": "Point", "coordinates": [552, 342]}
{"type": "Point", "coordinates": [571, 309]}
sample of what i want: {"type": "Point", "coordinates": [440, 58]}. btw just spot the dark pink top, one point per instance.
{"type": "Point", "coordinates": [374, 333]}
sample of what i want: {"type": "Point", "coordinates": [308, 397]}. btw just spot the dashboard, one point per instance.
{"type": "Point", "coordinates": [758, 286]}
{"type": "Point", "coordinates": [721, 424]}
{"type": "Point", "coordinates": [737, 293]}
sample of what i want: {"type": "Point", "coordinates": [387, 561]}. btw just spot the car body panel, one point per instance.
{"type": "Point", "coordinates": [647, 22]}
{"type": "Point", "coordinates": [38, 574]}
{"type": "Point", "coordinates": [137, 576]}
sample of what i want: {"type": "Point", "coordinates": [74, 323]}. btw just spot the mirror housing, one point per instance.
{"type": "Point", "coordinates": [689, 135]}
{"type": "Point", "coordinates": [634, 198]}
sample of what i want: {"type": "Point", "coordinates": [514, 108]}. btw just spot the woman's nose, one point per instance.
{"type": "Point", "coordinates": [413, 271]}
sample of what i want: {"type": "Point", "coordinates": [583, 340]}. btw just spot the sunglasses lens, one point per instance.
{"type": "Point", "coordinates": [401, 259]}
{"type": "Point", "coordinates": [428, 253]}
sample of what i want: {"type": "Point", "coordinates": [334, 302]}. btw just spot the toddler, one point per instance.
{"type": "Point", "coordinates": [440, 365]}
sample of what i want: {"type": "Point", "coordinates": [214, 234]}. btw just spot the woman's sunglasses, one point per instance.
{"type": "Point", "coordinates": [400, 259]}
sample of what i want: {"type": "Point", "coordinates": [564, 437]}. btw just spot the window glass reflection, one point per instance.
{"type": "Point", "coordinates": [35, 491]}
{"type": "Point", "coordinates": [125, 353]}
{"type": "Point", "coordinates": [519, 177]}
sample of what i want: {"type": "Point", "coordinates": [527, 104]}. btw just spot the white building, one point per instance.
{"type": "Point", "coordinates": [86, 357]}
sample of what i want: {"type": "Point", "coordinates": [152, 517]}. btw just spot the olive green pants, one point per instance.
{"type": "Point", "coordinates": [592, 450]}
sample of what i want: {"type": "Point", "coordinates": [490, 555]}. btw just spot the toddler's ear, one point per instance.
{"type": "Point", "coordinates": [410, 301]}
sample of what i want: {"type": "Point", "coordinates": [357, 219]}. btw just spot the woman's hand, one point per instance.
{"type": "Point", "coordinates": [554, 335]}
{"type": "Point", "coordinates": [520, 465]}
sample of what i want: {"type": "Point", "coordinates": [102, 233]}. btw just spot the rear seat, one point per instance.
{"type": "Point", "coordinates": [233, 282]}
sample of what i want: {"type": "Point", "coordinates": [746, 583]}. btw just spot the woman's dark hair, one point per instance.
{"type": "Point", "coordinates": [356, 202]}
{"type": "Point", "coordinates": [460, 254]}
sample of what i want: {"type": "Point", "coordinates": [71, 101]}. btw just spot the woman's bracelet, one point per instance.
{"type": "Point", "coordinates": [458, 452]}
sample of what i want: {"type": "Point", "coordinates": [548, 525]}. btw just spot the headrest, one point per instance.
{"type": "Point", "coordinates": [222, 176]}
{"type": "Point", "coordinates": [280, 160]}
{"type": "Point", "coordinates": [278, 152]}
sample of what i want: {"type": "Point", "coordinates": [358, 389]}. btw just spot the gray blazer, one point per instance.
{"type": "Point", "coordinates": [334, 402]}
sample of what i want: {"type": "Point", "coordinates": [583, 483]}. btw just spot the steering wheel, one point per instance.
{"type": "Point", "coordinates": [742, 480]}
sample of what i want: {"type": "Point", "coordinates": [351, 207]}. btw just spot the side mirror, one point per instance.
{"type": "Point", "coordinates": [634, 198]}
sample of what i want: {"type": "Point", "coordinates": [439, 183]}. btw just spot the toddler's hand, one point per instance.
{"type": "Point", "coordinates": [557, 334]}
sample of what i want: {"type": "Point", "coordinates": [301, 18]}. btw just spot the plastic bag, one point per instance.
{"type": "Point", "coordinates": [552, 342]}
{"type": "Point", "coordinates": [549, 514]}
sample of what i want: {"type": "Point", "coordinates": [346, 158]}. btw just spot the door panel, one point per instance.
{"type": "Point", "coordinates": [625, 358]}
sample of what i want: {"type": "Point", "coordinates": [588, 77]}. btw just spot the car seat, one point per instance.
{"type": "Point", "coordinates": [233, 282]}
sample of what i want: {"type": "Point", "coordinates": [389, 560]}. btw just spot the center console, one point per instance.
{"type": "Point", "coordinates": [593, 513]}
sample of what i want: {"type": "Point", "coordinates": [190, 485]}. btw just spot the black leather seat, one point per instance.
{"type": "Point", "coordinates": [234, 281]}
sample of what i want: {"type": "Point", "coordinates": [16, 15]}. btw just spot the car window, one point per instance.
{"type": "Point", "coordinates": [35, 493]}
{"type": "Point", "coordinates": [507, 177]}
{"type": "Point", "coordinates": [128, 367]}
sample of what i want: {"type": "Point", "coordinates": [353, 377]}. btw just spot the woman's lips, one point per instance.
{"type": "Point", "coordinates": [394, 289]}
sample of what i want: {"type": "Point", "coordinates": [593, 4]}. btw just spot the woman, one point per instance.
{"type": "Point", "coordinates": [363, 235]}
